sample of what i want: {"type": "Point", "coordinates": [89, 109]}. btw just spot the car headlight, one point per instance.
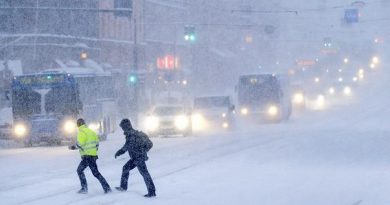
{"type": "Point", "coordinates": [347, 90]}
{"type": "Point", "coordinates": [152, 123]}
{"type": "Point", "coordinates": [69, 126]}
{"type": "Point", "coordinates": [320, 101]}
{"type": "Point", "coordinates": [94, 126]}
{"type": "Point", "coordinates": [225, 125]}
{"type": "Point", "coordinates": [181, 122]}
{"type": "Point", "coordinates": [273, 110]}
{"type": "Point", "coordinates": [361, 73]}
{"type": "Point", "coordinates": [198, 121]}
{"type": "Point", "coordinates": [331, 90]}
{"type": "Point", "coordinates": [223, 115]}
{"type": "Point", "coordinates": [375, 60]}
{"type": "Point", "coordinates": [298, 98]}
{"type": "Point", "coordinates": [244, 111]}
{"type": "Point", "coordinates": [20, 130]}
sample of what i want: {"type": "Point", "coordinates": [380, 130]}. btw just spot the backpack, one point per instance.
{"type": "Point", "coordinates": [146, 142]}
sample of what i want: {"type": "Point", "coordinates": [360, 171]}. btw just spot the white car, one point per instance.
{"type": "Point", "coordinates": [167, 120]}
{"type": "Point", "coordinates": [213, 112]}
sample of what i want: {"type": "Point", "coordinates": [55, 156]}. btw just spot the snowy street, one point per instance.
{"type": "Point", "coordinates": [222, 102]}
{"type": "Point", "coordinates": [335, 157]}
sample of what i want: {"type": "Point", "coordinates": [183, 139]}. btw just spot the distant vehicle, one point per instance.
{"type": "Point", "coordinates": [298, 97]}
{"type": "Point", "coordinates": [264, 96]}
{"type": "Point", "coordinates": [213, 112]}
{"type": "Point", "coordinates": [168, 120]}
{"type": "Point", "coordinates": [45, 107]}
{"type": "Point", "coordinates": [97, 96]}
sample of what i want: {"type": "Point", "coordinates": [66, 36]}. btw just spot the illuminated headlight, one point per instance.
{"type": "Point", "coordinates": [244, 111]}
{"type": "Point", "coordinates": [375, 60]}
{"type": "Point", "coordinates": [223, 115]}
{"type": "Point", "coordinates": [198, 121]}
{"type": "Point", "coordinates": [372, 66]}
{"type": "Point", "coordinates": [298, 98]}
{"type": "Point", "coordinates": [69, 126]}
{"type": "Point", "coordinates": [347, 90]}
{"type": "Point", "coordinates": [20, 130]}
{"type": "Point", "coordinates": [225, 125]}
{"type": "Point", "coordinates": [331, 90]}
{"type": "Point", "coordinates": [355, 79]}
{"type": "Point", "coordinates": [94, 126]}
{"type": "Point", "coordinates": [181, 122]}
{"type": "Point", "coordinates": [361, 74]}
{"type": "Point", "coordinates": [317, 80]}
{"type": "Point", "coordinates": [320, 101]}
{"type": "Point", "coordinates": [152, 123]}
{"type": "Point", "coordinates": [273, 110]}
{"type": "Point", "coordinates": [340, 79]}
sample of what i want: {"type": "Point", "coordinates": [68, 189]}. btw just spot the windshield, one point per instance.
{"type": "Point", "coordinates": [44, 94]}
{"type": "Point", "coordinates": [168, 111]}
{"type": "Point", "coordinates": [258, 89]}
{"type": "Point", "coordinates": [210, 102]}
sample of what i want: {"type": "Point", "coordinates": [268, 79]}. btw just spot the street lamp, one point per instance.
{"type": "Point", "coordinates": [83, 55]}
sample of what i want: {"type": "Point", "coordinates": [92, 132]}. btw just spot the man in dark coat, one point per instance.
{"type": "Point", "coordinates": [137, 145]}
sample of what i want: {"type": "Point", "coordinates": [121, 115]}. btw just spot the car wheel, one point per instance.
{"type": "Point", "coordinates": [58, 142]}
{"type": "Point", "coordinates": [28, 143]}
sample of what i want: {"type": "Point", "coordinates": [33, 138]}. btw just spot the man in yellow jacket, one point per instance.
{"type": "Point", "coordinates": [88, 144]}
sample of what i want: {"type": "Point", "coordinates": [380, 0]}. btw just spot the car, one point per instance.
{"type": "Point", "coordinates": [168, 120]}
{"type": "Point", "coordinates": [213, 112]}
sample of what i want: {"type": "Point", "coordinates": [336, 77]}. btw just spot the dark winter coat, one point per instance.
{"type": "Point", "coordinates": [137, 144]}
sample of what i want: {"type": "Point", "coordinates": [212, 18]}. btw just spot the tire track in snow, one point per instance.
{"type": "Point", "coordinates": [222, 151]}
{"type": "Point", "coordinates": [228, 152]}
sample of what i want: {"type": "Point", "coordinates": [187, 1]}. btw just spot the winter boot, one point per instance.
{"type": "Point", "coordinates": [106, 191]}
{"type": "Point", "coordinates": [150, 195]}
{"type": "Point", "coordinates": [83, 191]}
{"type": "Point", "coordinates": [120, 189]}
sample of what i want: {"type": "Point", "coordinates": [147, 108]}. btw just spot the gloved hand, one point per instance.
{"type": "Point", "coordinates": [72, 147]}
{"type": "Point", "coordinates": [117, 154]}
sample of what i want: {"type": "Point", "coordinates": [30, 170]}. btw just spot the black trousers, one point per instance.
{"type": "Point", "coordinates": [143, 170]}
{"type": "Point", "coordinates": [90, 161]}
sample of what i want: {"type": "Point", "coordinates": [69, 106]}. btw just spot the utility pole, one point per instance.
{"type": "Point", "coordinates": [135, 68]}
{"type": "Point", "coordinates": [138, 6]}
{"type": "Point", "coordinates": [36, 29]}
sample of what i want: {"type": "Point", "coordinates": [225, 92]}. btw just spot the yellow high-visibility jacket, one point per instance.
{"type": "Point", "coordinates": [87, 141]}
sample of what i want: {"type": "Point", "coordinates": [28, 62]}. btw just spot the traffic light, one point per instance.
{"type": "Point", "coordinates": [189, 33]}
{"type": "Point", "coordinates": [136, 79]}
{"type": "Point", "coordinates": [132, 79]}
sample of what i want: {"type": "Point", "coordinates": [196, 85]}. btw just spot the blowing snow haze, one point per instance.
{"type": "Point", "coordinates": [245, 101]}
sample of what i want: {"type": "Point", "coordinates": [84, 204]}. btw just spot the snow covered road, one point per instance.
{"type": "Point", "coordinates": [341, 156]}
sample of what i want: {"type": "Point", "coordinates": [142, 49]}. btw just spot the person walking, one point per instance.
{"type": "Point", "coordinates": [137, 145]}
{"type": "Point", "coordinates": [88, 144]}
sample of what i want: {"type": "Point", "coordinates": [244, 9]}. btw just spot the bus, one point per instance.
{"type": "Point", "coordinates": [45, 107]}
{"type": "Point", "coordinates": [264, 96]}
